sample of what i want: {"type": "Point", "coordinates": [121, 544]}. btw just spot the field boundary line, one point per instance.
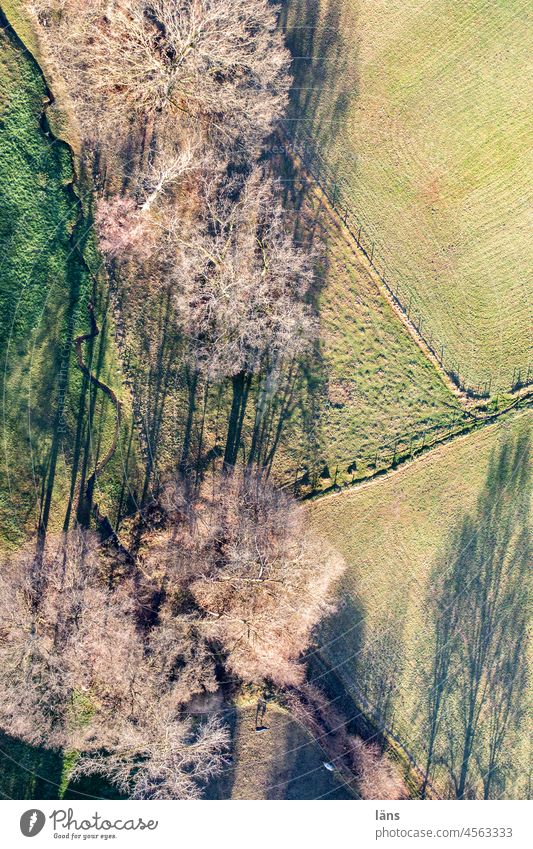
{"type": "Point", "coordinates": [408, 462]}
{"type": "Point", "coordinates": [451, 376]}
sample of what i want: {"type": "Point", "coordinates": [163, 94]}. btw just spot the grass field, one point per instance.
{"type": "Point", "coordinates": [419, 545]}
{"type": "Point", "coordinates": [53, 424]}
{"type": "Point", "coordinates": [420, 110]}
{"type": "Point", "coordinates": [281, 763]}
{"type": "Point", "coordinates": [369, 384]}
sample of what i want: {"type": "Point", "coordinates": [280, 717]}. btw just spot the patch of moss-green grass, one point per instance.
{"type": "Point", "coordinates": [54, 422]}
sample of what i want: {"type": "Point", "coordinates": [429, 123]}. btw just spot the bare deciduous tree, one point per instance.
{"type": "Point", "coordinates": [78, 673]}
{"type": "Point", "coordinates": [377, 776]}
{"type": "Point", "coordinates": [160, 756]}
{"type": "Point", "coordinates": [258, 578]}
{"type": "Point", "coordinates": [223, 60]}
{"type": "Point", "coordinates": [243, 297]}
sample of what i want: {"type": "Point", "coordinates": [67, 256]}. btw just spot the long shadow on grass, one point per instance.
{"type": "Point", "coordinates": [376, 661]}
{"type": "Point", "coordinates": [94, 428]}
{"type": "Point", "coordinates": [160, 347]}
{"type": "Point", "coordinates": [367, 658]}
{"type": "Point", "coordinates": [476, 681]}
{"type": "Point", "coordinates": [299, 772]}
{"type": "Point", "coordinates": [307, 390]}
{"type": "Point", "coordinates": [324, 78]}
{"type": "Point", "coordinates": [28, 772]}
{"type": "Point", "coordinates": [61, 367]}
{"type": "Point", "coordinates": [31, 772]}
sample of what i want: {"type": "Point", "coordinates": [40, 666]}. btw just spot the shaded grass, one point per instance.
{"type": "Point", "coordinates": [28, 772]}
{"type": "Point", "coordinates": [47, 432]}
{"type": "Point", "coordinates": [372, 385]}
{"type": "Point", "coordinates": [281, 763]}
{"type": "Point", "coordinates": [393, 533]}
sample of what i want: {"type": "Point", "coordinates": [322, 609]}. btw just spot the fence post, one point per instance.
{"type": "Point", "coordinates": [409, 307]}
{"type": "Point", "coordinates": [372, 254]}
{"type": "Point", "coordinates": [359, 237]}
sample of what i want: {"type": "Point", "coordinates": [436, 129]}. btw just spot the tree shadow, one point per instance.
{"type": "Point", "coordinates": [367, 658]}
{"type": "Point", "coordinates": [28, 772]}
{"type": "Point", "coordinates": [160, 346]}
{"type": "Point", "coordinates": [476, 681]}
{"type": "Point", "coordinates": [276, 760]}
{"type": "Point", "coordinates": [305, 392]}
{"type": "Point", "coordinates": [380, 662]}
{"type": "Point", "coordinates": [33, 772]}
{"type": "Point", "coordinates": [324, 69]}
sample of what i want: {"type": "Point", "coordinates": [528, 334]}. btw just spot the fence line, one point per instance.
{"type": "Point", "coordinates": [301, 143]}
{"type": "Point", "coordinates": [392, 454]}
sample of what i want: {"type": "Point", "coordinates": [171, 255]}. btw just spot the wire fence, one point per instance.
{"type": "Point", "coordinates": [337, 192]}
{"type": "Point", "coordinates": [388, 456]}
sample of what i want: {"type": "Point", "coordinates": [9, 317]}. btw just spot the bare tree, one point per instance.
{"type": "Point", "coordinates": [160, 755]}
{"type": "Point", "coordinates": [223, 60]}
{"type": "Point", "coordinates": [243, 298]}
{"type": "Point", "coordinates": [377, 776]}
{"type": "Point", "coordinates": [42, 595]}
{"type": "Point", "coordinates": [259, 580]}
{"type": "Point", "coordinates": [77, 672]}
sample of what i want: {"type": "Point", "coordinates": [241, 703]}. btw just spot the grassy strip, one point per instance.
{"type": "Point", "coordinates": [54, 424]}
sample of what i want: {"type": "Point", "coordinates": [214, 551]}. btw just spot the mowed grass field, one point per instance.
{"type": "Point", "coordinates": [53, 424]}
{"type": "Point", "coordinates": [421, 112]}
{"type": "Point", "coordinates": [445, 537]}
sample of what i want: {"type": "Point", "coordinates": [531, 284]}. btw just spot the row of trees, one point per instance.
{"type": "Point", "coordinates": [104, 658]}
{"type": "Point", "coordinates": [176, 101]}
